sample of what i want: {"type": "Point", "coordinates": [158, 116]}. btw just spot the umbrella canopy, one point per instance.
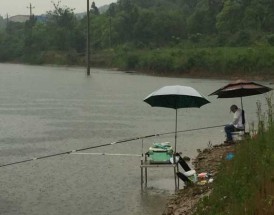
{"type": "Point", "coordinates": [240, 88]}
{"type": "Point", "coordinates": [176, 97]}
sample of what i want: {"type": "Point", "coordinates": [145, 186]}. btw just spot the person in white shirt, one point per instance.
{"type": "Point", "coordinates": [236, 125]}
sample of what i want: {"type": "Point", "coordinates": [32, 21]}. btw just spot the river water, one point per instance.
{"type": "Point", "coordinates": [46, 110]}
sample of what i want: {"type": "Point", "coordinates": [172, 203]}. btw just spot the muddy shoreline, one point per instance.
{"type": "Point", "coordinates": [184, 202]}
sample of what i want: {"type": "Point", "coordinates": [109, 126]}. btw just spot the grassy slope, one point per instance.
{"type": "Point", "coordinates": [245, 185]}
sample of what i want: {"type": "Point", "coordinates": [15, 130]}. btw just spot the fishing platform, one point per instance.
{"type": "Point", "coordinates": [160, 155]}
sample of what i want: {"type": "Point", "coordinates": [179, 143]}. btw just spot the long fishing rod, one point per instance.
{"type": "Point", "coordinates": [109, 154]}
{"type": "Point", "coordinates": [193, 129]}
{"type": "Point", "coordinates": [107, 144]}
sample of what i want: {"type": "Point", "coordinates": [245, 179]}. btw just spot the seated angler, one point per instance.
{"type": "Point", "coordinates": [237, 123]}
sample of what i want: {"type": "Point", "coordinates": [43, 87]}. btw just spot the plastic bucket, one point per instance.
{"type": "Point", "coordinates": [192, 176]}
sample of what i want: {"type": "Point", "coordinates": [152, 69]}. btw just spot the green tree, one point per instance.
{"type": "Point", "coordinates": [230, 17]}
{"type": "Point", "coordinates": [100, 32]}
{"type": "Point", "coordinates": [94, 9]}
{"type": "Point", "coordinates": [143, 31]}
{"type": "Point", "coordinates": [2, 23]}
{"type": "Point", "coordinates": [203, 18]}
{"type": "Point", "coordinates": [61, 23]}
{"type": "Point", "coordinates": [29, 24]}
{"type": "Point", "coordinates": [125, 20]}
{"type": "Point", "coordinates": [40, 38]}
{"type": "Point", "coordinates": [11, 42]}
{"type": "Point", "coordinates": [167, 26]}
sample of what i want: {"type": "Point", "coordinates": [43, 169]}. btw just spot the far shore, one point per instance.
{"type": "Point", "coordinates": [191, 74]}
{"type": "Point", "coordinates": [215, 76]}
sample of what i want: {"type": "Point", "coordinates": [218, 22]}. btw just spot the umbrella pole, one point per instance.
{"type": "Point", "coordinates": [242, 110]}
{"type": "Point", "coordinates": [176, 132]}
{"type": "Point", "coordinates": [174, 157]}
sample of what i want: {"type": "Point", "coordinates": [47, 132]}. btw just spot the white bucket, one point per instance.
{"type": "Point", "coordinates": [192, 176]}
{"type": "Point", "coordinates": [237, 135]}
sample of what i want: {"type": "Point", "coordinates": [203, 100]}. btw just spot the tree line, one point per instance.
{"type": "Point", "coordinates": [139, 24]}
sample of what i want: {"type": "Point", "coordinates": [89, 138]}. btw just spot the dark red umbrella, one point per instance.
{"type": "Point", "coordinates": [240, 88]}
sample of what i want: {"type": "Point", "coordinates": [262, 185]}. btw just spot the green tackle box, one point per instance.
{"type": "Point", "coordinates": [160, 153]}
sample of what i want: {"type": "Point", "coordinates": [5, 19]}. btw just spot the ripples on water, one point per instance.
{"type": "Point", "coordinates": [47, 110]}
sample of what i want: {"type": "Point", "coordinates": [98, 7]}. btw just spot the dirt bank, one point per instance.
{"type": "Point", "coordinates": [185, 201]}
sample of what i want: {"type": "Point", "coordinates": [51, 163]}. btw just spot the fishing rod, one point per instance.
{"type": "Point", "coordinates": [107, 144]}
{"type": "Point", "coordinates": [109, 154]}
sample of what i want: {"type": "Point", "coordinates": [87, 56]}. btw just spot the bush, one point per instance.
{"type": "Point", "coordinates": [241, 38]}
{"type": "Point", "coordinates": [158, 62]}
{"type": "Point", "coordinates": [270, 39]}
{"type": "Point", "coordinates": [131, 61]}
{"type": "Point", "coordinates": [195, 38]}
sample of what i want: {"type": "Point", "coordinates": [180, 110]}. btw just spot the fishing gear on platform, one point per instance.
{"type": "Point", "coordinates": [107, 144]}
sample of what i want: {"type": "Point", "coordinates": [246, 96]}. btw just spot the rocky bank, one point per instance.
{"type": "Point", "coordinates": [185, 200]}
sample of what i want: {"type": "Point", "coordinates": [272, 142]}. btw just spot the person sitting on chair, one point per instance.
{"type": "Point", "coordinates": [236, 125]}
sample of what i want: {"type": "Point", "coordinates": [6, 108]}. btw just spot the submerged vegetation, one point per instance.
{"type": "Point", "coordinates": [245, 184]}
{"type": "Point", "coordinates": [163, 36]}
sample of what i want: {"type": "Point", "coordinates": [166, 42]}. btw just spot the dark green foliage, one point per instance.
{"type": "Point", "coordinates": [11, 48]}
{"type": "Point", "coordinates": [195, 38]}
{"type": "Point", "coordinates": [159, 62]}
{"type": "Point", "coordinates": [94, 9]}
{"type": "Point", "coordinates": [270, 39]}
{"type": "Point", "coordinates": [12, 42]}
{"type": "Point", "coordinates": [61, 25]}
{"type": "Point", "coordinates": [216, 61]}
{"type": "Point", "coordinates": [2, 23]}
{"type": "Point", "coordinates": [151, 25]}
{"type": "Point", "coordinates": [131, 62]}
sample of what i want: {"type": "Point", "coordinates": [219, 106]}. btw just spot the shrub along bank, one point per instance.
{"type": "Point", "coordinates": [222, 61]}
{"type": "Point", "coordinates": [257, 61]}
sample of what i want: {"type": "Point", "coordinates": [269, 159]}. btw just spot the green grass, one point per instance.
{"type": "Point", "coordinates": [221, 60]}
{"type": "Point", "coordinates": [245, 184]}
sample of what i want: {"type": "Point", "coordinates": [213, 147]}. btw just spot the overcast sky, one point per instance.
{"type": "Point", "coordinates": [21, 7]}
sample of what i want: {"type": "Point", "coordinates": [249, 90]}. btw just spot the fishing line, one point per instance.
{"type": "Point", "coordinates": [107, 144]}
